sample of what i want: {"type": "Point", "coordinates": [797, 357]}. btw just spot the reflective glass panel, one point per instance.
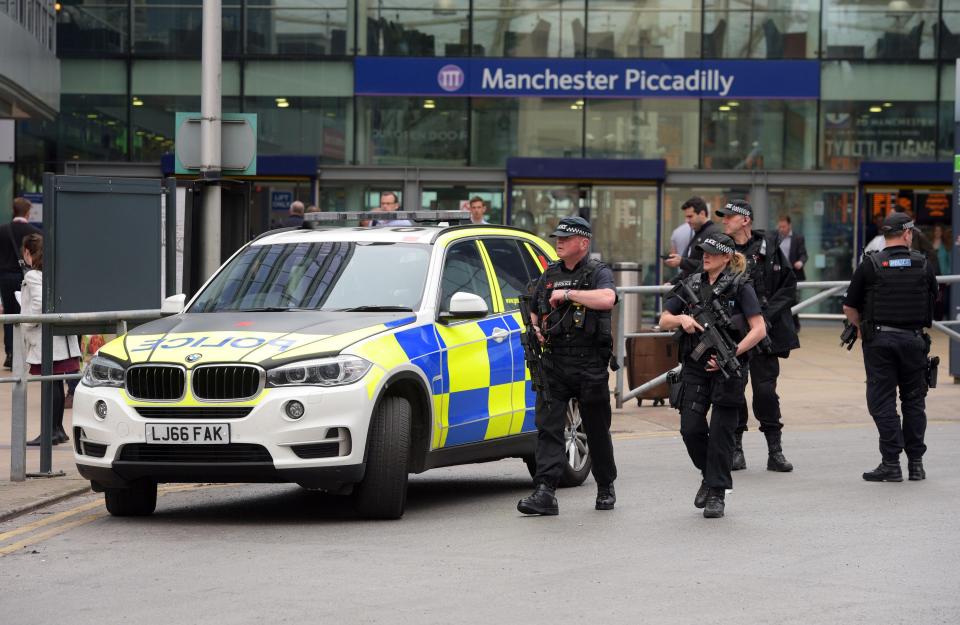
{"type": "Point", "coordinates": [759, 134]}
{"type": "Point", "coordinates": [92, 27]}
{"type": "Point", "coordinates": [299, 27]}
{"type": "Point", "coordinates": [458, 197]}
{"type": "Point", "coordinates": [176, 28]}
{"type": "Point", "coordinates": [879, 29]}
{"type": "Point", "coordinates": [93, 127]}
{"type": "Point", "coordinates": [414, 28]}
{"type": "Point", "coordinates": [525, 127]}
{"type": "Point", "coordinates": [877, 131]}
{"type": "Point", "coordinates": [945, 141]}
{"type": "Point", "coordinates": [948, 32]}
{"type": "Point", "coordinates": [412, 130]}
{"type": "Point", "coordinates": [302, 125]}
{"type": "Point", "coordinates": [654, 29]}
{"type": "Point", "coordinates": [776, 29]}
{"type": "Point", "coordinates": [529, 28]}
{"type": "Point", "coordinates": [667, 129]}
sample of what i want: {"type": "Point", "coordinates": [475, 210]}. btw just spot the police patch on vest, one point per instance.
{"type": "Point", "coordinates": [897, 262]}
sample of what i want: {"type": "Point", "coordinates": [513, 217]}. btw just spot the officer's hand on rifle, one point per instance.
{"type": "Point", "coordinates": [712, 365]}
{"type": "Point", "coordinates": [689, 324]}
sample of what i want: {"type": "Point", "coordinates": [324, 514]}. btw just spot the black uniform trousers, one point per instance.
{"type": "Point", "coordinates": [897, 360]}
{"type": "Point", "coordinates": [764, 371]}
{"type": "Point", "coordinates": [710, 445]}
{"type": "Point", "coordinates": [585, 379]}
{"type": "Point", "coordinates": [10, 283]}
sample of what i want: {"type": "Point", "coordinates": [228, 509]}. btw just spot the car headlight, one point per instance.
{"type": "Point", "coordinates": [103, 372]}
{"type": "Point", "coordinates": [321, 372]}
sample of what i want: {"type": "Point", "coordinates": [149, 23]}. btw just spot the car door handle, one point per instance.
{"type": "Point", "coordinates": [499, 334]}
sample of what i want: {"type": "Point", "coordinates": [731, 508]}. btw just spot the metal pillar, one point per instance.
{"type": "Point", "coordinates": [210, 146]}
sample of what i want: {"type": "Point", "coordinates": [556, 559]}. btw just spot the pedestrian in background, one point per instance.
{"type": "Point", "coordinates": [294, 217]}
{"type": "Point", "coordinates": [794, 249]}
{"type": "Point", "coordinates": [711, 446]}
{"type": "Point", "coordinates": [697, 215]}
{"type": "Point", "coordinates": [66, 350]}
{"type": "Point", "coordinates": [890, 299]}
{"type": "Point", "coordinates": [390, 202]}
{"type": "Point", "coordinates": [12, 268]}
{"type": "Point", "coordinates": [478, 211]}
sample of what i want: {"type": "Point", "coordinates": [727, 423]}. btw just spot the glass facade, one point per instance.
{"type": "Point", "coordinates": [290, 62]}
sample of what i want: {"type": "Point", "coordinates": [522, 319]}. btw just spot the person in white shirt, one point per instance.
{"type": "Point", "coordinates": [478, 211]}
{"type": "Point", "coordinates": [389, 202]}
{"type": "Point", "coordinates": [66, 349]}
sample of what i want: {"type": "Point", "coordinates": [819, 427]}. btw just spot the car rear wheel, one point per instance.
{"type": "Point", "coordinates": [383, 492]}
{"type": "Point", "coordinates": [140, 499]}
{"type": "Point", "coordinates": [577, 466]}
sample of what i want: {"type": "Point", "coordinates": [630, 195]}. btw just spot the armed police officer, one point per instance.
{"type": "Point", "coordinates": [776, 288]}
{"type": "Point", "coordinates": [571, 312]}
{"type": "Point", "coordinates": [715, 376]}
{"type": "Point", "coordinates": [891, 298]}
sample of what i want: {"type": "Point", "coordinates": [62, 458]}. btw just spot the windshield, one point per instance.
{"type": "Point", "coordinates": [319, 276]}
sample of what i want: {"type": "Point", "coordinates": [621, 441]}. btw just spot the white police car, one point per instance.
{"type": "Point", "coordinates": [338, 358]}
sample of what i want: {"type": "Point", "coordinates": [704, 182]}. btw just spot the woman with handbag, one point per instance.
{"type": "Point", "coordinates": [66, 350]}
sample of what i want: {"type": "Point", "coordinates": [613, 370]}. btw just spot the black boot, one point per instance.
{"type": "Point", "coordinates": [35, 442]}
{"type": "Point", "coordinates": [915, 469]}
{"type": "Point", "coordinates": [606, 497]}
{"type": "Point", "coordinates": [60, 436]}
{"type": "Point", "coordinates": [701, 499]}
{"type": "Point", "coordinates": [739, 462]}
{"type": "Point", "coordinates": [713, 508]}
{"type": "Point", "coordinates": [886, 471]}
{"type": "Point", "coordinates": [543, 501]}
{"type": "Point", "coordinates": [775, 459]}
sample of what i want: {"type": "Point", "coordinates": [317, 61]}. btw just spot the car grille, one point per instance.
{"type": "Point", "coordinates": [204, 454]}
{"type": "Point", "coordinates": [317, 450]}
{"type": "Point", "coordinates": [219, 412]}
{"type": "Point", "coordinates": [94, 450]}
{"type": "Point", "coordinates": [155, 383]}
{"type": "Point", "coordinates": [226, 382]}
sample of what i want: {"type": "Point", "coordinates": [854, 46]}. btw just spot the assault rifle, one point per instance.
{"type": "Point", "coordinates": [849, 335]}
{"type": "Point", "coordinates": [715, 339]}
{"type": "Point", "coordinates": [532, 350]}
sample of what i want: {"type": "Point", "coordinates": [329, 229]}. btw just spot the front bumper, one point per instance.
{"type": "Point", "coordinates": [331, 415]}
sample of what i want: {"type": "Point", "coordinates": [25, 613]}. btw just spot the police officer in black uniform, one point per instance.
{"type": "Point", "coordinates": [891, 299]}
{"type": "Point", "coordinates": [776, 287]}
{"type": "Point", "coordinates": [711, 446]}
{"type": "Point", "coordinates": [571, 311]}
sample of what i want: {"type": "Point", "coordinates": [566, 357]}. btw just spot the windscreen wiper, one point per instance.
{"type": "Point", "coordinates": [376, 309]}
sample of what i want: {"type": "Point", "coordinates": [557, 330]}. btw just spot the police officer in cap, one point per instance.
{"type": "Point", "coordinates": [776, 288]}
{"type": "Point", "coordinates": [571, 312]}
{"type": "Point", "coordinates": [890, 299]}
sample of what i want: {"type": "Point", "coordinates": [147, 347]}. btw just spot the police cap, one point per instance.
{"type": "Point", "coordinates": [736, 207]}
{"type": "Point", "coordinates": [897, 222]}
{"type": "Point", "coordinates": [573, 226]}
{"type": "Point", "coordinates": [717, 244]}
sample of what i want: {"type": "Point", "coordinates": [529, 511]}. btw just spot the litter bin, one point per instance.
{"type": "Point", "coordinates": [627, 274]}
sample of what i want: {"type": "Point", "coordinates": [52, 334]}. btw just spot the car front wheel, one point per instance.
{"type": "Point", "coordinates": [383, 492]}
{"type": "Point", "coordinates": [140, 499]}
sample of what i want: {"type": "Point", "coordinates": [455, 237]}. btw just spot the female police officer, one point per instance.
{"type": "Point", "coordinates": [711, 447]}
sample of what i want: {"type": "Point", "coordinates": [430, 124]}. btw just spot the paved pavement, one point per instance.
{"type": "Point", "coordinates": [822, 386]}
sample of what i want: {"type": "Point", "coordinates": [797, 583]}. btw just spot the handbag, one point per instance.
{"type": "Point", "coordinates": [16, 250]}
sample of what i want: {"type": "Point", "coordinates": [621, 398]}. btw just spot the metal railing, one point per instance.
{"type": "Point", "coordinates": [20, 378]}
{"type": "Point", "coordinates": [827, 290]}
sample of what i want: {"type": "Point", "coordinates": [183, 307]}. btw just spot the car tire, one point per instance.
{"type": "Point", "coordinates": [383, 492]}
{"type": "Point", "coordinates": [140, 499]}
{"type": "Point", "coordinates": [577, 467]}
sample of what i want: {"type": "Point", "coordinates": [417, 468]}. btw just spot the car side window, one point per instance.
{"type": "Point", "coordinates": [511, 269]}
{"type": "Point", "coordinates": [464, 271]}
{"type": "Point", "coordinates": [534, 259]}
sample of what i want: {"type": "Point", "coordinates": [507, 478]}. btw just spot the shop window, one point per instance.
{"type": "Point", "coordinates": [895, 30]}
{"type": "Point", "coordinates": [759, 134]}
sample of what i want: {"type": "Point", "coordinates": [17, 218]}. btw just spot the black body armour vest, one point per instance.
{"type": "Point", "coordinates": [726, 289]}
{"type": "Point", "coordinates": [899, 295]}
{"type": "Point", "coordinates": [757, 257]}
{"type": "Point", "coordinates": [571, 326]}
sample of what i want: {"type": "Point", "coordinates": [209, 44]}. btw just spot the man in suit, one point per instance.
{"type": "Point", "coordinates": [794, 248]}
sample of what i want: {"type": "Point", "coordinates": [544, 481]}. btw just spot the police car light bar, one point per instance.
{"type": "Point", "coordinates": [447, 216]}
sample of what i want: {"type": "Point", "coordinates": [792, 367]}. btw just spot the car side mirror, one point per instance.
{"type": "Point", "coordinates": [465, 306]}
{"type": "Point", "coordinates": [173, 304]}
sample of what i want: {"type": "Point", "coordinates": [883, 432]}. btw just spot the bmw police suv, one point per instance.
{"type": "Point", "coordinates": [337, 358]}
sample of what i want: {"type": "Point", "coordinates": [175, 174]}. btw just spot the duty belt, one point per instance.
{"type": "Point", "coordinates": [898, 330]}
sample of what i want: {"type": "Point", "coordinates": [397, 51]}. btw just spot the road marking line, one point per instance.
{"type": "Point", "coordinates": [50, 533]}
{"type": "Point", "coordinates": [29, 527]}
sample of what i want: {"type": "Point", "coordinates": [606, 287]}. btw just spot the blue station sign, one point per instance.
{"type": "Point", "coordinates": [592, 78]}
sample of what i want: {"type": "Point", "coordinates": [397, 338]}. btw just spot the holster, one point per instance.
{"type": "Point", "coordinates": [932, 364]}
{"type": "Point", "coordinates": [675, 381]}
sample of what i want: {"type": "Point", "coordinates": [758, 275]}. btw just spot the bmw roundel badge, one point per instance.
{"type": "Point", "coordinates": [193, 357]}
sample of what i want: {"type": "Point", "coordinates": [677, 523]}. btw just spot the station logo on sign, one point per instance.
{"type": "Point", "coordinates": [450, 77]}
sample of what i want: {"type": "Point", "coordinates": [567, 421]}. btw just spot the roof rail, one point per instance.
{"type": "Point", "coordinates": [331, 218]}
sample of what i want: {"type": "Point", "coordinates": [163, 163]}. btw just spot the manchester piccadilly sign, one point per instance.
{"type": "Point", "coordinates": [595, 78]}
